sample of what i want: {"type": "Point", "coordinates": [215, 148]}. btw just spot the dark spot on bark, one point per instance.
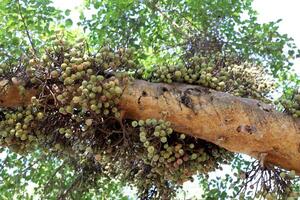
{"type": "Point", "coordinates": [164, 89]}
{"type": "Point", "coordinates": [144, 94]}
{"type": "Point", "coordinates": [204, 90]}
{"type": "Point", "coordinates": [246, 129]}
{"type": "Point", "coordinates": [211, 98]}
{"type": "Point", "coordinates": [276, 149]}
{"type": "Point", "coordinates": [198, 90]}
{"type": "Point", "coordinates": [187, 101]}
{"type": "Point", "coordinates": [228, 120]}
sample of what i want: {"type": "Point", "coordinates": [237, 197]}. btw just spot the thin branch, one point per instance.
{"type": "Point", "coordinates": [26, 29]}
{"type": "Point", "coordinates": [63, 195]}
{"type": "Point", "coordinates": [53, 174]}
{"type": "Point", "coordinates": [172, 23]}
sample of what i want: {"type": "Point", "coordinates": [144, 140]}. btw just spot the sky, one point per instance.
{"type": "Point", "coordinates": [268, 10]}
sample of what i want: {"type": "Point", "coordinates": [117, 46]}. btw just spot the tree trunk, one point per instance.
{"type": "Point", "coordinates": [237, 124]}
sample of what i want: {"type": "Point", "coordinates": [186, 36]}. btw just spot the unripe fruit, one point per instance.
{"type": "Point", "coordinates": [143, 139]}
{"type": "Point", "coordinates": [156, 133]}
{"type": "Point", "coordinates": [179, 161]}
{"type": "Point", "coordinates": [61, 130]}
{"type": "Point", "coordinates": [150, 149]}
{"type": "Point", "coordinates": [143, 134]}
{"type": "Point", "coordinates": [76, 99]}
{"type": "Point", "coordinates": [118, 90]}
{"type": "Point", "coordinates": [40, 115]}
{"type": "Point", "coordinates": [105, 111]}
{"type": "Point", "coordinates": [282, 174]}
{"type": "Point", "coordinates": [163, 139]}
{"type": "Point", "coordinates": [94, 107]}
{"type": "Point", "coordinates": [134, 124]}
{"type": "Point", "coordinates": [178, 74]}
{"type": "Point", "coordinates": [141, 123]}
{"type": "Point", "coordinates": [64, 66]}
{"type": "Point", "coordinates": [54, 74]}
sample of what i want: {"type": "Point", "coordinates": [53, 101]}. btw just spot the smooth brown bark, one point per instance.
{"type": "Point", "coordinates": [237, 124]}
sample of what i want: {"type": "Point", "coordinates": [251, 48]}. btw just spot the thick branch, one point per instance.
{"type": "Point", "coordinates": [237, 124]}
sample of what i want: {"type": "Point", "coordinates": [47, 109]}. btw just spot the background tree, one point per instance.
{"type": "Point", "coordinates": [78, 122]}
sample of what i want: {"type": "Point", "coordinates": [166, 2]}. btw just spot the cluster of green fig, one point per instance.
{"type": "Point", "coordinates": [76, 114]}
{"type": "Point", "coordinates": [77, 91]}
{"type": "Point", "coordinates": [291, 102]}
{"type": "Point", "coordinates": [23, 128]}
{"type": "Point", "coordinates": [95, 94]}
{"type": "Point", "coordinates": [240, 79]}
{"type": "Point", "coordinates": [16, 128]}
{"type": "Point", "coordinates": [171, 158]}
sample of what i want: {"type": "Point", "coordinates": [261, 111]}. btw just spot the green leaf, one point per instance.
{"type": "Point", "coordinates": [69, 22]}
{"type": "Point", "coordinates": [67, 12]}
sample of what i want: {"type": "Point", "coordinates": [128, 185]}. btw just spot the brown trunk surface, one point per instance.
{"type": "Point", "coordinates": [237, 124]}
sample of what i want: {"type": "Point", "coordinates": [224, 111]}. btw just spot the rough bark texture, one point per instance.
{"type": "Point", "coordinates": [10, 95]}
{"type": "Point", "coordinates": [237, 124]}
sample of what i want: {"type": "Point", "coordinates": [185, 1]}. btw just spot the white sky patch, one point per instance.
{"type": "Point", "coordinates": [72, 5]}
{"type": "Point", "coordinates": [67, 4]}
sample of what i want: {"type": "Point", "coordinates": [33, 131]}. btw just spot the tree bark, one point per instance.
{"type": "Point", "coordinates": [237, 124]}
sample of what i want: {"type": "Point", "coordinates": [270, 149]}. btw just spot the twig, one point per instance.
{"type": "Point", "coordinates": [63, 195]}
{"type": "Point", "coordinates": [26, 29]}
{"type": "Point", "coordinates": [53, 175]}
{"type": "Point", "coordinates": [173, 24]}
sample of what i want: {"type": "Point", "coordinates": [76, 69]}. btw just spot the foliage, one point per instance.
{"type": "Point", "coordinates": [165, 24]}
{"type": "Point", "coordinates": [39, 175]}
{"type": "Point", "coordinates": [291, 101]}
{"type": "Point", "coordinates": [24, 24]}
{"type": "Point", "coordinates": [249, 176]}
{"type": "Point", "coordinates": [76, 114]}
{"type": "Point", "coordinates": [75, 146]}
